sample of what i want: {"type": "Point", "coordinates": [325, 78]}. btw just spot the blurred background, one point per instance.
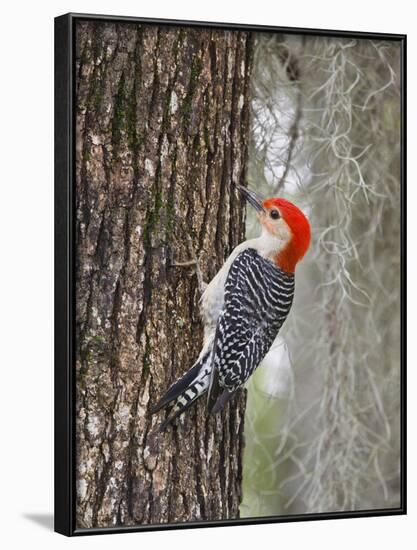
{"type": "Point", "coordinates": [322, 426]}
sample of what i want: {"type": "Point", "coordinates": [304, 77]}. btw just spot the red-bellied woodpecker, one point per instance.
{"type": "Point", "coordinates": [244, 307]}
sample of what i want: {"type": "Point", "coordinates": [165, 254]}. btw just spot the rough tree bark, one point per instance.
{"type": "Point", "coordinates": [162, 131]}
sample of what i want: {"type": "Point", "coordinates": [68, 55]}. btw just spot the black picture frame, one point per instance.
{"type": "Point", "coordinates": [65, 280]}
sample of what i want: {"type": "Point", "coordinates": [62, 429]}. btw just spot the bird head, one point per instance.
{"type": "Point", "coordinates": [286, 231]}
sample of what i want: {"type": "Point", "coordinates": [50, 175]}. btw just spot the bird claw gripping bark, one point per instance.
{"type": "Point", "coordinates": [194, 262]}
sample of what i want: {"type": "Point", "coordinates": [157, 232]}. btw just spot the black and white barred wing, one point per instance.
{"type": "Point", "coordinates": [258, 298]}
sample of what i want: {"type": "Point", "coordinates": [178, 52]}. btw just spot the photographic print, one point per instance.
{"type": "Point", "coordinates": [229, 274]}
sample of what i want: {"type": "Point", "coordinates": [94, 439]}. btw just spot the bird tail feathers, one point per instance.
{"type": "Point", "coordinates": [184, 401]}
{"type": "Point", "coordinates": [185, 391]}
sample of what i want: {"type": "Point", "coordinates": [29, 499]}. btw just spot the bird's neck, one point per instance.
{"type": "Point", "coordinates": [277, 250]}
{"type": "Point", "coordinates": [286, 259]}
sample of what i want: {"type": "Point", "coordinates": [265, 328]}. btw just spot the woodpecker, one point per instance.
{"type": "Point", "coordinates": [243, 308]}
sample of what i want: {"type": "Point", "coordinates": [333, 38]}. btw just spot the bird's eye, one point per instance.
{"type": "Point", "coordinates": [274, 214]}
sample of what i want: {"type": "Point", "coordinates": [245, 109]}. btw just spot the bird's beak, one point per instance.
{"type": "Point", "coordinates": [253, 199]}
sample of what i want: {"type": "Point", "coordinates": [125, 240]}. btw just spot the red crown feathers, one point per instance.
{"type": "Point", "coordinates": [301, 233]}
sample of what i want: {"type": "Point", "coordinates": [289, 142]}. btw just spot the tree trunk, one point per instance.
{"type": "Point", "coordinates": [161, 134]}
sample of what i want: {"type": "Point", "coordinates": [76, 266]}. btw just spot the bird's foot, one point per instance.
{"type": "Point", "coordinates": [194, 262]}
